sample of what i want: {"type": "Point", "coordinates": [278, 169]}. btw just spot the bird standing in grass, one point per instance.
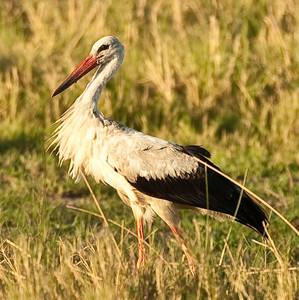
{"type": "Point", "coordinates": [150, 175]}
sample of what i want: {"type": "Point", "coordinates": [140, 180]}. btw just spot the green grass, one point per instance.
{"type": "Point", "coordinates": [222, 74]}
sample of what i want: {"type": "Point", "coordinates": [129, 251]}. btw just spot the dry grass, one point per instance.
{"type": "Point", "coordinates": [221, 74]}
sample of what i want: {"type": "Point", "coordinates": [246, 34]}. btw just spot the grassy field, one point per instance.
{"type": "Point", "coordinates": [222, 74]}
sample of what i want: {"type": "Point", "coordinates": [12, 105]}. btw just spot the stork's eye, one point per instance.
{"type": "Point", "coordinates": [103, 47]}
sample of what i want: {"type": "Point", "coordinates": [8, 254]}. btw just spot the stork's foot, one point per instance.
{"type": "Point", "coordinates": [191, 266]}
{"type": "Point", "coordinates": [140, 262]}
{"type": "Point", "coordinates": [189, 258]}
{"type": "Point", "coordinates": [179, 236]}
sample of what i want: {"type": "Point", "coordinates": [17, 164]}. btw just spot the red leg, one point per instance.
{"type": "Point", "coordinates": [182, 241]}
{"type": "Point", "coordinates": [141, 249]}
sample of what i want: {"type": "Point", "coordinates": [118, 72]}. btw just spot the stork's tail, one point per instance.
{"type": "Point", "coordinates": [252, 215]}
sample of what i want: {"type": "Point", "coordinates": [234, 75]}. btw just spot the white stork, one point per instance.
{"type": "Point", "coordinates": [150, 175]}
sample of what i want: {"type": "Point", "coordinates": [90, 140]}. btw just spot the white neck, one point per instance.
{"type": "Point", "coordinates": [91, 94]}
{"type": "Point", "coordinates": [78, 126]}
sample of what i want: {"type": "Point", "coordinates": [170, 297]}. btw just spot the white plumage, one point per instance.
{"type": "Point", "coordinates": [150, 175]}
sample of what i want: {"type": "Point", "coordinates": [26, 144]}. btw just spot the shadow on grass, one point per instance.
{"type": "Point", "coordinates": [22, 141]}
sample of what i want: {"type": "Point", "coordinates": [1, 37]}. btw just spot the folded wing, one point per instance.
{"type": "Point", "coordinates": [172, 172]}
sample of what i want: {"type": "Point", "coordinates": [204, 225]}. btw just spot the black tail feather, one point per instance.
{"type": "Point", "coordinates": [252, 215]}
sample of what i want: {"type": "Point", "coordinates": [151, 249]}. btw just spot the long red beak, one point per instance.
{"type": "Point", "coordinates": [89, 63]}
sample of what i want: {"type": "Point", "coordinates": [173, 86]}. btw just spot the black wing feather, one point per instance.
{"type": "Point", "coordinates": [196, 151]}
{"type": "Point", "coordinates": [190, 189]}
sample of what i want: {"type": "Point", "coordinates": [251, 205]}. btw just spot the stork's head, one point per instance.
{"type": "Point", "coordinates": [102, 52]}
{"type": "Point", "coordinates": [106, 49]}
